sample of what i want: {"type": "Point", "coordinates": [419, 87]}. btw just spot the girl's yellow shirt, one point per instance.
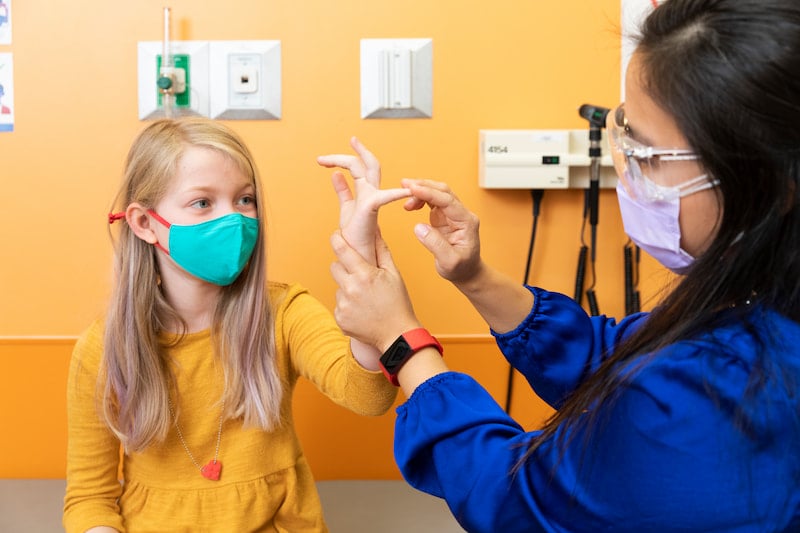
{"type": "Point", "coordinates": [266, 483]}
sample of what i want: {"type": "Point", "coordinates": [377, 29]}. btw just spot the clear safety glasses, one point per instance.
{"type": "Point", "coordinates": [642, 162]}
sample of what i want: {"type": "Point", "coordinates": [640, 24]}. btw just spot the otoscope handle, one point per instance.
{"type": "Point", "coordinates": [594, 201]}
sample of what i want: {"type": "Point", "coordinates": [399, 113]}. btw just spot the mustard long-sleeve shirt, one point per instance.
{"type": "Point", "coordinates": [266, 483]}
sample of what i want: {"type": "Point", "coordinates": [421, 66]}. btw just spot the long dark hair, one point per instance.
{"type": "Point", "coordinates": [728, 71]}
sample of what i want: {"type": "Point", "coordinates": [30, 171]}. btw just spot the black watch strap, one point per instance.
{"type": "Point", "coordinates": [403, 349]}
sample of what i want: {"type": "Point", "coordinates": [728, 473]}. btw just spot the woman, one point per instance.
{"type": "Point", "coordinates": [683, 419]}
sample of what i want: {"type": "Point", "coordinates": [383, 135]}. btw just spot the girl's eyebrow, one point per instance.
{"type": "Point", "coordinates": [212, 188]}
{"type": "Point", "coordinates": [195, 190]}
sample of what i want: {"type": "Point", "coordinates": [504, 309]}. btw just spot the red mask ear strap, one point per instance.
{"type": "Point", "coordinates": [157, 217]}
{"type": "Point", "coordinates": [112, 217]}
{"type": "Point", "coordinates": [165, 223]}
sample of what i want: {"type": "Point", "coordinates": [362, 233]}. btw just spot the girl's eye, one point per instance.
{"type": "Point", "coordinates": [201, 204]}
{"type": "Point", "coordinates": [247, 201]}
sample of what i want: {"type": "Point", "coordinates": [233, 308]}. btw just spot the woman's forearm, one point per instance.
{"type": "Point", "coordinates": [502, 302]}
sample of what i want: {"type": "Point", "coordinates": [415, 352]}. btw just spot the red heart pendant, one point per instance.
{"type": "Point", "coordinates": [212, 470]}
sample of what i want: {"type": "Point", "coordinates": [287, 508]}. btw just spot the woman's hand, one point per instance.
{"type": "Point", "coordinates": [358, 217]}
{"type": "Point", "coordinates": [452, 236]}
{"type": "Point", "coordinates": [372, 303]}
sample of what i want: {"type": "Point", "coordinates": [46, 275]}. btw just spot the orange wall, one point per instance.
{"type": "Point", "coordinates": [517, 64]}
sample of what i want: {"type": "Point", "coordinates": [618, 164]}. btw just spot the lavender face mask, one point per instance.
{"type": "Point", "coordinates": [654, 227]}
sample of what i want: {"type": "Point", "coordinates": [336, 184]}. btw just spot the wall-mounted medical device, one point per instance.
{"type": "Point", "coordinates": [234, 80]}
{"type": "Point", "coordinates": [540, 159]}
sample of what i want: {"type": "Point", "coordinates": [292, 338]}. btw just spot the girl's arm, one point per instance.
{"type": "Point", "coordinates": [358, 218]}
{"type": "Point", "coordinates": [93, 452]}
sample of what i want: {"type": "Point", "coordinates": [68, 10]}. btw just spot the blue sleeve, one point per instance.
{"type": "Point", "coordinates": [558, 344]}
{"type": "Point", "coordinates": [666, 456]}
{"type": "Point", "coordinates": [452, 440]}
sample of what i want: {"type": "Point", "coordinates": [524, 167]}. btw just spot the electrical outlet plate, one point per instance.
{"type": "Point", "coordinates": [396, 78]}
{"type": "Point", "coordinates": [193, 56]}
{"type": "Point", "coordinates": [247, 80]}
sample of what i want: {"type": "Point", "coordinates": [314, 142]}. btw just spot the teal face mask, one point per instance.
{"type": "Point", "coordinates": [215, 251]}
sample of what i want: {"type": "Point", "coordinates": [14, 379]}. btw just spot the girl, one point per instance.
{"type": "Point", "coordinates": [683, 419]}
{"type": "Point", "coordinates": [193, 368]}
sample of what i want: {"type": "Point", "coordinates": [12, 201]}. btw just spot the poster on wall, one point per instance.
{"type": "Point", "coordinates": [632, 13]}
{"type": "Point", "coordinates": [6, 92]}
{"type": "Point", "coordinates": [5, 22]}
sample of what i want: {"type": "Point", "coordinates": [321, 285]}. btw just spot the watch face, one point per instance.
{"type": "Point", "coordinates": [396, 355]}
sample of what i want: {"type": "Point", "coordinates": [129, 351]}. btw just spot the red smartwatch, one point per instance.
{"type": "Point", "coordinates": [403, 348]}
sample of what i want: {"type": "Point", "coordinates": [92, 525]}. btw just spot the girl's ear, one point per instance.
{"type": "Point", "coordinates": [139, 221]}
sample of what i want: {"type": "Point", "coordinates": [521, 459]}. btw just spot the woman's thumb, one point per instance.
{"type": "Point", "coordinates": [382, 254]}
{"type": "Point", "coordinates": [429, 238]}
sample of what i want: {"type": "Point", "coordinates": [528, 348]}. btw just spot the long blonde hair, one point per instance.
{"type": "Point", "coordinates": [136, 379]}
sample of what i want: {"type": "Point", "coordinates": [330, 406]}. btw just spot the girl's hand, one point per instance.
{"type": "Point", "coordinates": [358, 217]}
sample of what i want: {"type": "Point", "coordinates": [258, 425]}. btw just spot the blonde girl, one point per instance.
{"type": "Point", "coordinates": [184, 388]}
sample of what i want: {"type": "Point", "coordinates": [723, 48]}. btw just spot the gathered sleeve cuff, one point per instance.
{"type": "Point", "coordinates": [558, 344]}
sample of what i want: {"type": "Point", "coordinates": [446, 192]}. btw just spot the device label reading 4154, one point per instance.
{"type": "Point", "coordinates": [498, 149]}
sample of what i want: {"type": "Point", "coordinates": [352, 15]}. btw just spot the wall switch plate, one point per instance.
{"type": "Point", "coordinates": [247, 80]}
{"type": "Point", "coordinates": [396, 78]}
{"type": "Point", "coordinates": [190, 57]}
